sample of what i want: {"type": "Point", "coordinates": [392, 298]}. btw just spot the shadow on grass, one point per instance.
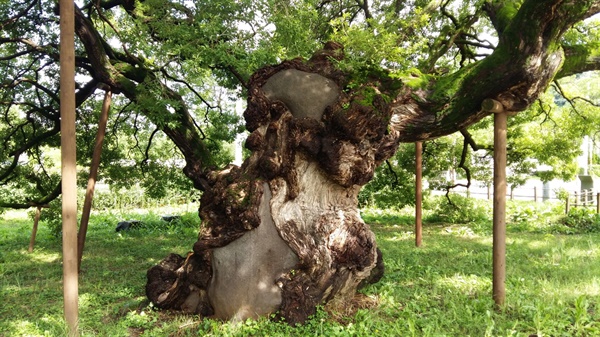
{"type": "Point", "coordinates": [441, 288]}
{"type": "Point", "coordinates": [113, 273]}
{"type": "Point", "coordinates": [451, 276]}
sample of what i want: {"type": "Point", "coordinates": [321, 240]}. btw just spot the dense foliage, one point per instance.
{"type": "Point", "coordinates": [177, 68]}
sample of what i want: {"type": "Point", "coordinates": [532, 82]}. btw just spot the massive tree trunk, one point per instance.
{"type": "Point", "coordinates": [282, 233]}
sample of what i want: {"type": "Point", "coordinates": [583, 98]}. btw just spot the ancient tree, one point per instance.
{"type": "Point", "coordinates": [282, 233]}
{"type": "Point", "coordinates": [286, 222]}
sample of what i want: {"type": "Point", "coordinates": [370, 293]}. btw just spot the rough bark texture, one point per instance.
{"type": "Point", "coordinates": [282, 233]}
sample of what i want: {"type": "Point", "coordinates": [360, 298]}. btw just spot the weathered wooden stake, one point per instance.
{"type": "Point", "coordinates": [89, 193]}
{"type": "Point", "coordinates": [68, 165]}
{"type": "Point", "coordinates": [418, 193]}
{"type": "Point", "coordinates": [35, 227]}
{"type": "Point", "coordinates": [499, 217]}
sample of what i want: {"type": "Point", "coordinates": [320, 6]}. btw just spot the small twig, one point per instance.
{"type": "Point", "coordinates": [463, 159]}
{"type": "Point", "coordinates": [147, 151]}
{"type": "Point", "coordinates": [391, 169]}
{"type": "Point", "coordinates": [571, 103]}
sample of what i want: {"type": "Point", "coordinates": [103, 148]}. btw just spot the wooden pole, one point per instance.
{"type": "Point", "coordinates": [68, 165]}
{"type": "Point", "coordinates": [499, 216]}
{"type": "Point", "coordinates": [35, 227]}
{"type": "Point", "coordinates": [89, 193]}
{"type": "Point", "coordinates": [418, 193]}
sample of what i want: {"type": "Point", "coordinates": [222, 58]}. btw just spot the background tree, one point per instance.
{"type": "Point", "coordinates": [286, 222]}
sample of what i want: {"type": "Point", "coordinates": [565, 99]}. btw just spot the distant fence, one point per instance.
{"type": "Point", "coordinates": [584, 198]}
{"type": "Point", "coordinates": [519, 193]}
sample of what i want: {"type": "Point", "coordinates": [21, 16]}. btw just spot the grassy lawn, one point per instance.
{"type": "Point", "coordinates": [440, 289]}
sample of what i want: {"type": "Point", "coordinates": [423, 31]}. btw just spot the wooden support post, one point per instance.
{"type": "Point", "coordinates": [35, 227]}
{"type": "Point", "coordinates": [534, 193]}
{"type": "Point", "coordinates": [567, 205]}
{"type": "Point", "coordinates": [499, 216]}
{"type": "Point", "coordinates": [597, 203]}
{"type": "Point", "coordinates": [418, 193]}
{"type": "Point", "coordinates": [68, 165]}
{"type": "Point", "coordinates": [89, 193]}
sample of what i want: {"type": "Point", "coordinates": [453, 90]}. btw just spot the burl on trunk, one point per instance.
{"type": "Point", "coordinates": [282, 233]}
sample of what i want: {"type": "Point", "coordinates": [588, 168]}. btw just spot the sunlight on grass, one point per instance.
{"type": "Point", "coordinates": [587, 254]}
{"type": "Point", "coordinates": [458, 230]}
{"type": "Point", "coordinates": [440, 289]}
{"type": "Point", "coordinates": [22, 325]}
{"type": "Point", "coordinates": [44, 326]}
{"type": "Point", "coordinates": [466, 284]}
{"type": "Point", "coordinates": [43, 256]}
{"type": "Point", "coordinates": [87, 300]}
{"type": "Point", "coordinates": [12, 288]}
{"type": "Point", "coordinates": [585, 287]}
{"type": "Point", "coordinates": [539, 244]}
{"type": "Point", "coordinates": [590, 288]}
{"type": "Point", "coordinates": [402, 236]}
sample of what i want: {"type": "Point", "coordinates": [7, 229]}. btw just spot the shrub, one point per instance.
{"type": "Point", "coordinates": [52, 216]}
{"type": "Point", "coordinates": [460, 210]}
{"type": "Point", "coordinates": [582, 220]}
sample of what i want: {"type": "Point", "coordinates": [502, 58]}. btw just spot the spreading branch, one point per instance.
{"type": "Point", "coordinates": [520, 68]}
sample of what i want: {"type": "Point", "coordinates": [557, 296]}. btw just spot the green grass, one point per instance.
{"type": "Point", "coordinates": [440, 289]}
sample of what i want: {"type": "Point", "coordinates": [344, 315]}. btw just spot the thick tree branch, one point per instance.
{"type": "Point", "coordinates": [129, 5]}
{"type": "Point", "coordinates": [580, 58]}
{"type": "Point", "coordinates": [593, 9]}
{"type": "Point", "coordinates": [522, 66]}
{"type": "Point", "coordinates": [41, 202]}
{"type": "Point", "coordinates": [123, 80]}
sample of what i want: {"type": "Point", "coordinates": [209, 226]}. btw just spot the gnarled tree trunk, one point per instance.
{"type": "Point", "coordinates": [283, 233]}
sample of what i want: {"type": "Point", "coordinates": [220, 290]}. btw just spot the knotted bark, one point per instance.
{"type": "Point", "coordinates": [282, 233]}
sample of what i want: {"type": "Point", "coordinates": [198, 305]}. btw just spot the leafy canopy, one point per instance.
{"type": "Point", "coordinates": [177, 67]}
